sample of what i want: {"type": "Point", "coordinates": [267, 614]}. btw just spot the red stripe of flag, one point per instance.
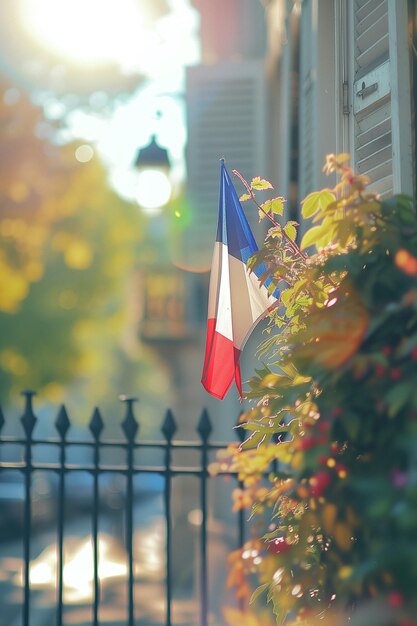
{"type": "Point", "coordinates": [221, 363]}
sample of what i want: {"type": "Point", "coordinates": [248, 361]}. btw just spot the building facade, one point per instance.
{"type": "Point", "coordinates": [282, 83]}
{"type": "Point", "coordinates": [346, 77]}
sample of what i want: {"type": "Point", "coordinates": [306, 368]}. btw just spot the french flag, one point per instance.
{"type": "Point", "coordinates": [237, 299]}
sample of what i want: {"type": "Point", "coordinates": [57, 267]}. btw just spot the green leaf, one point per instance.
{"type": "Point", "coordinates": [352, 425]}
{"type": "Point", "coordinates": [408, 345]}
{"type": "Point", "coordinates": [254, 441]}
{"type": "Point", "coordinates": [265, 430]}
{"type": "Point", "coordinates": [320, 236]}
{"type": "Point", "coordinates": [286, 296]}
{"type": "Point", "coordinates": [276, 381]}
{"type": "Point", "coordinates": [258, 592]}
{"type": "Point", "coordinates": [398, 397]}
{"type": "Point", "coordinates": [289, 369]}
{"type": "Point", "coordinates": [271, 288]}
{"type": "Point", "coordinates": [274, 206]}
{"type": "Point", "coordinates": [290, 230]}
{"type": "Point", "coordinates": [315, 201]}
{"type": "Point", "coordinates": [260, 183]}
{"type": "Point", "coordinates": [244, 197]}
{"type": "Point", "coordinates": [311, 237]}
{"type": "Point", "coordinates": [279, 612]}
{"type": "Point", "coordinates": [275, 232]}
{"type": "Point", "coordinates": [406, 209]}
{"type": "Point", "coordinates": [281, 270]}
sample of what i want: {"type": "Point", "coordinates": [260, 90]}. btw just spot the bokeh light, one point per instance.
{"type": "Point", "coordinates": [153, 189]}
{"type": "Point", "coordinates": [84, 153]}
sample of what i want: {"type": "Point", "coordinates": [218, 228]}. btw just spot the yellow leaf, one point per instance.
{"type": "Point", "coordinates": [290, 230]}
{"type": "Point", "coordinates": [286, 296]}
{"type": "Point", "coordinates": [275, 381]}
{"type": "Point", "coordinates": [342, 535]}
{"type": "Point", "coordinates": [310, 237]}
{"type": "Point", "coordinates": [260, 183]}
{"type": "Point", "coordinates": [315, 201]}
{"type": "Point", "coordinates": [320, 236]}
{"type": "Point", "coordinates": [351, 517]}
{"type": "Point", "coordinates": [329, 517]}
{"type": "Point", "coordinates": [370, 207]}
{"type": "Point", "coordinates": [274, 206]}
{"type": "Point", "coordinates": [244, 197]}
{"type": "Point", "coordinates": [343, 157]}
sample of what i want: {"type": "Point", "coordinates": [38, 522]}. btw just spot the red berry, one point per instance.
{"type": "Point", "coordinates": [318, 483]}
{"type": "Point", "coordinates": [395, 599]}
{"type": "Point", "coordinates": [380, 371]}
{"type": "Point", "coordinates": [337, 411]}
{"type": "Point", "coordinates": [395, 373]}
{"type": "Point", "coordinates": [414, 354]}
{"type": "Point", "coordinates": [324, 427]}
{"type": "Point", "coordinates": [307, 443]}
{"type": "Point", "coordinates": [278, 546]}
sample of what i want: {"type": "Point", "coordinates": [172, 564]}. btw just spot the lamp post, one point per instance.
{"type": "Point", "coordinates": [153, 185]}
{"type": "Point", "coordinates": [168, 328]}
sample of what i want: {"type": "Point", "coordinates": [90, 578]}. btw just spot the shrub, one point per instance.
{"type": "Point", "coordinates": [335, 412]}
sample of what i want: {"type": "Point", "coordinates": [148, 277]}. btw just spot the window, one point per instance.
{"type": "Point", "coordinates": [379, 90]}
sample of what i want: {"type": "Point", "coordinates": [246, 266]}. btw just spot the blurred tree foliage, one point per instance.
{"type": "Point", "coordinates": [334, 418]}
{"type": "Point", "coordinates": [67, 248]}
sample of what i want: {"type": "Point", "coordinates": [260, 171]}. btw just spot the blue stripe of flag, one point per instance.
{"type": "Point", "coordinates": [233, 229]}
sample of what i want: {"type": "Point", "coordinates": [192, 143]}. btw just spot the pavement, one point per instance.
{"type": "Point", "coordinates": [149, 591]}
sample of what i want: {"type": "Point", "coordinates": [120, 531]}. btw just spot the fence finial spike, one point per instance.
{"type": "Point", "coordinates": [204, 427]}
{"type": "Point", "coordinates": [28, 418]}
{"type": "Point", "coordinates": [96, 423]}
{"type": "Point", "coordinates": [169, 427]}
{"type": "Point", "coordinates": [62, 422]}
{"type": "Point", "coordinates": [129, 425]}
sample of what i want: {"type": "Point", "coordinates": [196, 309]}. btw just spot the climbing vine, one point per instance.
{"type": "Point", "coordinates": [329, 464]}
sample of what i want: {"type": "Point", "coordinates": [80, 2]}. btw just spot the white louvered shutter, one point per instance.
{"type": "Point", "coordinates": [307, 102]}
{"type": "Point", "coordinates": [317, 94]}
{"type": "Point", "coordinates": [379, 100]}
{"type": "Point", "coordinates": [226, 117]}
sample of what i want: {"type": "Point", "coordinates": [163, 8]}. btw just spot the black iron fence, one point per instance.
{"type": "Point", "coordinates": [129, 468]}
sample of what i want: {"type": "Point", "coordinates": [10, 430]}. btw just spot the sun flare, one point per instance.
{"type": "Point", "coordinates": [89, 31]}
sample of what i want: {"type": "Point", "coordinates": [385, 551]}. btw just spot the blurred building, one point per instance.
{"type": "Point", "coordinates": [227, 112]}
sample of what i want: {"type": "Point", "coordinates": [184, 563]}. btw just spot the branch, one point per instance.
{"type": "Point", "coordinates": [292, 244]}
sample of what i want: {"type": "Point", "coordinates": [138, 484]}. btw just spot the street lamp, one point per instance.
{"type": "Point", "coordinates": [153, 184]}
